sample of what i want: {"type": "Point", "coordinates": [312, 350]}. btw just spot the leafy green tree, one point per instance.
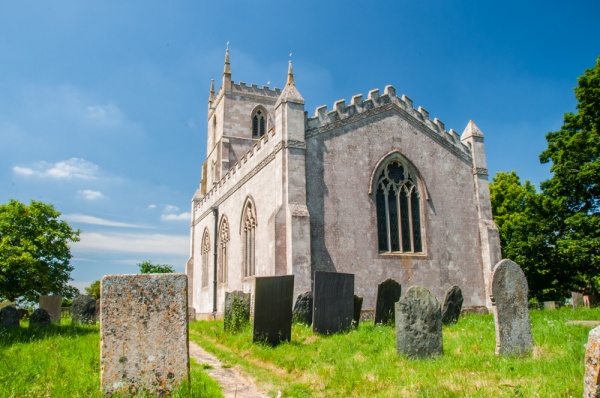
{"type": "Point", "coordinates": [573, 192]}
{"type": "Point", "coordinates": [147, 267]}
{"type": "Point", "coordinates": [34, 251]}
{"type": "Point", "coordinates": [93, 289]}
{"type": "Point", "coordinates": [526, 236]}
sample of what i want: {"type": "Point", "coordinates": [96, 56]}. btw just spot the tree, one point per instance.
{"type": "Point", "coordinates": [573, 192]}
{"type": "Point", "coordinates": [34, 251]}
{"type": "Point", "coordinates": [527, 238]}
{"type": "Point", "coordinates": [93, 289]}
{"type": "Point", "coordinates": [147, 267]}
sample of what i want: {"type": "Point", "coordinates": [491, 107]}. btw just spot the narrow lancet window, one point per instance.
{"type": "Point", "coordinates": [259, 124]}
{"type": "Point", "coordinates": [398, 210]}
{"type": "Point", "coordinates": [248, 238]}
{"type": "Point", "coordinates": [223, 247]}
{"type": "Point", "coordinates": [205, 257]}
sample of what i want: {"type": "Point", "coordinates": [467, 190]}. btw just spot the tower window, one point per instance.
{"type": "Point", "coordinates": [398, 210]}
{"type": "Point", "coordinates": [259, 124]}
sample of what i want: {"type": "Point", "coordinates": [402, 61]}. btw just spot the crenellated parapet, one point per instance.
{"type": "Point", "coordinates": [325, 120]}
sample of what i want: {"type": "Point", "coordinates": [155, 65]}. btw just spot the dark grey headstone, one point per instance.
{"type": "Point", "coordinates": [51, 303]}
{"type": "Point", "coordinates": [9, 317]}
{"type": "Point", "coordinates": [511, 312]}
{"type": "Point", "coordinates": [236, 311]}
{"type": "Point", "coordinates": [23, 313]}
{"type": "Point", "coordinates": [39, 318]}
{"type": "Point", "coordinates": [333, 302]}
{"type": "Point", "coordinates": [419, 324]}
{"type": "Point", "coordinates": [452, 305]}
{"type": "Point", "coordinates": [388, 294]}
{"type": "Point", "coordinates": [358, 301]}
{"type": "Point", "coordinates": [303, 308]}
{"type": "Point", "coordinates": [273, 300]}
{"type": "Point", "coordinates": [83, 309]}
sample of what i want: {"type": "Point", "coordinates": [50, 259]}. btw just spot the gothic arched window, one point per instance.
{"type": "Point", "coordinates": [398, 210]}
{"type": "Point", "coordinates": [205, 250]}
{"type": "Point", "coordinates": [259, 123]}
{"type": "Point", "coordinates": [222, 245]}
{"type": "Point", "coordinates": [248, 237]}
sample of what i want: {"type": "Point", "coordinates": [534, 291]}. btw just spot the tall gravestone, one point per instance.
{"type": "Point", "coordinates": [358, 302]}
{"type": "Point", "coordinates": [303, 308]}
{"type": "Point", "coordinates": [83, 309]}
{"type": "Point", "coordinates": [9, 317]}
{"type": "Point", "coordinates": [144, 333]}
{"type": "Point", "coordinates": [511, 310]}
{"type": "Point", "coordinates": [273, 300]}
{"type": "Point", "coordinates": [452, 305]}
{"type": "Point", "coordinates": [388, 294]}
{"type": "Point", "coordinates": [333, 302]}
{"type": "Point", "coordinates": [51, 303]}
{"type": "Point", "coordinates": [419, 324]}
{"type": "Point", "coordinates": [591, 378]}
{"type": "Point", "coordinates": [576, 300]}
{"type": "Point", "coordinates": [236, 313]}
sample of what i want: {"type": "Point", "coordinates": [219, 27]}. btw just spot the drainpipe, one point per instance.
{"type": "Point", "coordinates": [215, 211]}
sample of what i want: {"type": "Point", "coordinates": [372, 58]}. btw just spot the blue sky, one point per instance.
{"type": "Point", "coordinates": [103, 103]}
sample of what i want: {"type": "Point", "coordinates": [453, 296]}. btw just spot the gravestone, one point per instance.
{"type": "Point", "coordinates": [333, 302]}
{"type": "Point", "coordinates": [83, 309]}
{"type": "Point", "coordinates": [452, 305]}
{"type": "Point", "coordinates": [23, 313]}
{"type": "Point", "coordinates": [303, 308]}
{"type": "Point", "coordinates": [9, 317]}
{"type": "Point", "coordinates": [549, 305]}
{"type": "Point", "coordinates": [511, 312]}
{"type": "Point", "coordinates": [388, 294]}
{"type": "Point", "coordinates": [39, 318]}
{"type": "Point", "coordinates": [576, 299]}
{"type": "Point", "coordinates": [51, 303]}
{"type": "Point", "coordinates": [419, 324]}
{"type": "Point", "coordinates": [358, 301]}
{"type": "Point", "coordinates": [143, 333]}
{"type": "Point", "coordinates": [191, 314]}
{"type": "Point", "coordinates": [273, 300]}
{"type": "Point", "coordinates": [237, 310]}
{"type": "Point", "coordinates": [591, 378]}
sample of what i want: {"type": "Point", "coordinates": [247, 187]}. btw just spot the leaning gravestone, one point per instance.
{"type": "Point", "coordinates": [452, 305]}
{"type": "Point", "coordinates": [511, 311]}
{"type": "Point", "coordinates": [591, 379]}
{"type": "Point", "coordinates": [273, 300]}
{"type": "Point", "coordinates": [302, 312]}
{"type": "Point", "coordinates": [333, 302]}
{"type": "Point", "coordinates": [419, 324]}
{"type": "Point", "coordinates": [576, 300]}
{"type": "Point", "coordinates": [388, 294]}
{"type": "Point", "coordinates": [237, 310]}
{"type": "Point", "coordinates": [9, 317]}
{"type": "Point", "coordinates": [39, 318]}
{"type": "Point", "coordinates": [143, 333]}
{"type": "Point", "coordinates": [83, 309]}
{"type": "Point", "coordinates": [358, 301]}
{"type": "Point", "coordinates": [52, 305]}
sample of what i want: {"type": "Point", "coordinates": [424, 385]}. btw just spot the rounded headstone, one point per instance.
{"type": "Point", "coordinates": [83, 309]}
{"type": "Point", "coordinates": [39, 318]}
{"type": "Point", "coordinates": [303, 308]}
{"type": "Point", "coordinates": [9, 317]}
{"type": "Point", "coordinates": [419, 324]}
{"type": "Point", "coordinates": [452, 305]}
{"type": "Point", "coordinates": [388, 294]}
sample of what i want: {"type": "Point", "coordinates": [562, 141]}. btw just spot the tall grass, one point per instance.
{"type": "Point", "coordinates": [364, 362]}
{"type": "Point", "coordinates": [64, 361]}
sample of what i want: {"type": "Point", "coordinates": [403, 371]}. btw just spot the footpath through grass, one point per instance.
{"type": "Point", "coordinates": [64, 361]}
{"type": "Point", "coordinates": [364, 363]}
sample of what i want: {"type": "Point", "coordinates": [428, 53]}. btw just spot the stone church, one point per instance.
{"type": "Point", "coordinates": [374, 188]}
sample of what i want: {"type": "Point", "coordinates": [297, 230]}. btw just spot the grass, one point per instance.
{"type": "Point", "coordinates": [64, 361]}
{"type": "Point", "coordinates": [364, 363]}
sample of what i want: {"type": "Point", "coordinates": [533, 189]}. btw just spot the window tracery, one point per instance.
{"type": "Point", "coordinates": [223, 248]}
{"type": "Point", "coordinates": [205, 250]}
{"type": "Point", "coordinates": [259, 123]}
{"type": "Point", "coordinates": [398, 210]}
{"type": "Point", "coordinates": [248, 235]}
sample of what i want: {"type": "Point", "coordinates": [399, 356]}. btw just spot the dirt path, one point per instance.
{"type": "Point", "coordinates": [233, 383]}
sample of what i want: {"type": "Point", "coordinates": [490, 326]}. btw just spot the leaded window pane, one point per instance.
{"type": "Point", "coordinates": [382, 233]}
{"type": "Point", "coordinates": [405, 220]}
{"type": "Point", "coordinates": [393, 215]}
{"type": "Point", "coordinates": [416, 219]}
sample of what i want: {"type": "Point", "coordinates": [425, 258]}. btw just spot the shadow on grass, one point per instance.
{"type": "Point", "coordinates": [25, 334]}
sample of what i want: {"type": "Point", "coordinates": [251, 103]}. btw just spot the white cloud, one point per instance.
{"type": "Point", "coordinates": [89, 194]}
{"type": "Point", "coordinates": [171, 209]}
{"type": "Point", "coordinates": [108, 113]}
{"type": "Point", "coordinates": [176, 217]}
{"type": "Point", "coordinates": [151, 206]}
{"type": "Point", "coordinates": [132, 243]}
{"type": "Point", "coordinates": [66, 169]}
{"type": "Point", "coordinates": [82, 218]}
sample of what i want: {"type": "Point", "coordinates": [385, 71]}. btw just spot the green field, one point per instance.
{"type": "Point", "coordinates": [63, 361]}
